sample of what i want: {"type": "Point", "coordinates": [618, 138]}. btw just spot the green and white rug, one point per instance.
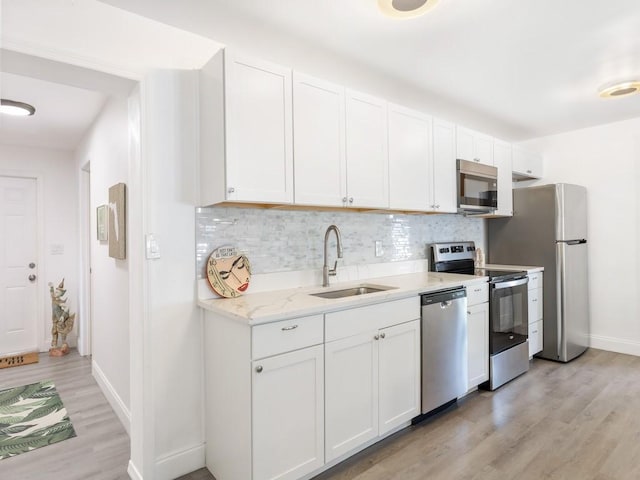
{"type": "Point", "coordinates": [32, 416]}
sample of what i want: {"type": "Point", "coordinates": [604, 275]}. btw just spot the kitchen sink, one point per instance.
{"type": "Point", "coordinates": [351, 292]}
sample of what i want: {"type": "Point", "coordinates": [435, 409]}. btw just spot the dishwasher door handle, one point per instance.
{"type": "Point", "coordinates": [445, 304]}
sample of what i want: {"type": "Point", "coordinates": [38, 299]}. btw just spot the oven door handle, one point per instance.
{"type": "Point", "coordinates": [512, 283]}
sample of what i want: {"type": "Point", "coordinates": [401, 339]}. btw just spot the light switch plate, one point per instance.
{"type": "Point", "coordinates": [152, 246]}
{"type": "Point", "coordinates": [379, 251]}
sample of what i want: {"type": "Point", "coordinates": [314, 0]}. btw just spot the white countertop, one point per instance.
{"type": "Point", "coordinates": [265, 307]}
{"type": "Point", "coordinates": [515, 268]}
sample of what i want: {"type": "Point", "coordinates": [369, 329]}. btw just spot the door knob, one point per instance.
{"type": "Point", "coordinates": [32, 265]}
{"type": "Point", "coordinates": [32, 278]}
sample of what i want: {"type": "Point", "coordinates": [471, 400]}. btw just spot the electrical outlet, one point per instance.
{"type": "Point", "coordinates": [379, 251]}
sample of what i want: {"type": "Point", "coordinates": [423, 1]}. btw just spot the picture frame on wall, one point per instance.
{"type": "Point", "coordinates": [117, 221]}
{"type": "Point", "coordinates": [101, 223]}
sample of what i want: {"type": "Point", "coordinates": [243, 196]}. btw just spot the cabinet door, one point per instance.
{"type": "Point", "coordinates": [409, 159]}
{"type": "Point", "coordinates": [259, 157]}
{"type": "Point", "coordinates": [351, 393]}
{"type": "Point", "coordinates": [535, 305]}
{"type": "Point", "coordinates": [443, 179]}
{"type": "Point", "coordinates": [535, 338]}
{"type": "Point", "coordinates": [367, 151]}
{"type": "Point", "coordinates": [526, 165]}
{"type": "Point", "coordinates": [502, 161]}
{"type": "Point", "coordinates": [288, 420]}
{"type": "Point", "coordinates": [477, 344]}
{"type": "Point", "coordinates": [483, 149]}
{"type": "Point", "coordinates": [399, 377]}
{"type": "Point", "coordinates": [474, 146]}
{"type": "Point", "coordinates": [319, 142]}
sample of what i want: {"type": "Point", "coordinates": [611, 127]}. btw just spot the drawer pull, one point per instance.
{"type": "Point", "coordinates": [535, 331]}
{"type": "Point", "coordinates": [534, 299]}
{"type": "Point", "coordinates": [292, 327]}
{"type": "Point", "coordinates": [376, 337]}
{"type": "Point", "coordinates": [477, 289]}
{"type": "Point", "coordinates": [382, 335]}
{"type": "Point", "coordinates": [259, 368]}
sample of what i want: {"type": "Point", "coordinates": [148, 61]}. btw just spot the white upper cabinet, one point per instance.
{"type": "Point", "coordinates": [526, 165]}
{"type": "Point", "coordinates": [246, 143]}
{"type": "Point", "coordinates": [319, 142]}
{"type": "Point", "coordinates": [442, 197]}
{"type": "Point", "coordinates": [258, 131]}
{"type": "Point", "coordinates": [367, 151]}
{"type": "Point", "coordinates": [474, 146]}
{"type": "Point", "coordinates": [410, 150]}
{"type": "Point", "coordinates": [502, 161]}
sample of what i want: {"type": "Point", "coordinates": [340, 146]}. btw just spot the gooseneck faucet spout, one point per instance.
{"type": "Point", "coordinates": [326, 271]}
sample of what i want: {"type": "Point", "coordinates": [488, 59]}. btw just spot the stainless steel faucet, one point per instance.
{"type": "Point", "coordinates": [326, 271]}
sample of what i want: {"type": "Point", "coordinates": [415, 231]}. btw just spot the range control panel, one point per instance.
{"type": "Point", "coordinates": [443, 252]}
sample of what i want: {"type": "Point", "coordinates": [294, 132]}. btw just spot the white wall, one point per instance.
{"type": "Point", "coordinates": [105, 146]}
{"type": "Point", "coordinates": [58, 177]}
{"type": "Point", "coordinates": [170, 132]}
{"type": "Point", "coordinates": [605, 159]}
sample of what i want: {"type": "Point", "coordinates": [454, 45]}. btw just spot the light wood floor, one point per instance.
{"type": "Point", "coordinates": [100, 450]}
{"type": "Point", "coordinates": [575, 421]}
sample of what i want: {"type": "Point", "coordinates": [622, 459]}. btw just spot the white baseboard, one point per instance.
{"type": "Point", "coordinates": [617, 345]}
{"type": "Point", "coordinates": [112, 396]}
{"type": "Point", "coordinates": [133, 472]}
{"type": "Point", "coordinates": [180, 463]}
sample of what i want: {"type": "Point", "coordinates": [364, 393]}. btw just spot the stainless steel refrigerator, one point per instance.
{"type": "Point", "coordinates": [549, 229]}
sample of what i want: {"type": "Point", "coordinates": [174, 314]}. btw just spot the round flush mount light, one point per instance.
{"type": "Point", "coordinates": [620, 89]}
{"type": "Point", "coordinates": [406, 8]}
{"type": "Point", "coordinates": [11, 107]}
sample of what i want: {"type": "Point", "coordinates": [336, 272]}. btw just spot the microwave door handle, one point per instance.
{"type": "Point", "coordinates": [512, 283]}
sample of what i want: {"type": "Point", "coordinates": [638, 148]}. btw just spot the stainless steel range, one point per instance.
{"type": "Point", "coordinates": [508, 309]}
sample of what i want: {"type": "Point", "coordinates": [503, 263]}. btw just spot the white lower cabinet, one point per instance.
{"type": "Point", "coordinates": [282, 403]}
{"type": "Point", "coordinates": [372, 377]}
{"type": "Point", "coordinates": [288, 414]}
{"type": "Point", "coordinates": [535, 313]}
{"type": "Point", "coordinates": [477, 335]}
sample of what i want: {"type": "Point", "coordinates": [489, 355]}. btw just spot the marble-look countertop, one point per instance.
{"type": "Point", "coordinates": [515, 268]}
{"type": "Point", "coordinates": [265, 307]}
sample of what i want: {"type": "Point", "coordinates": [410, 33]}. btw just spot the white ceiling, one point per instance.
{"type": "Point", "coordinates": [530, 67]}
{"type": "Point", "coordinates": [63, 113]}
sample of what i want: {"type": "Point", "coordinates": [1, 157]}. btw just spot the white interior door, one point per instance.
{"type": "Point", "coordinates": [18, 265]}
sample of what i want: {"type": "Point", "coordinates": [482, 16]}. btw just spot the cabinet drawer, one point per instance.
{"type": "Point", "coordinates": [350, 322]}
{"type": "Point", "coordinates": [477, 294]}
{"type": "Point", "coordinates": [287, 335]}
{"type": "Point", "coordinates": [535, 305]}
{"type": "Point", "coordinates": [535, 280]}
{"type": "Point", "coordinates": [535, 337]}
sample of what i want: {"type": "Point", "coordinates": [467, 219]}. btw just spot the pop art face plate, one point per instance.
{"type": "Point", "coordinates": [228, 272]}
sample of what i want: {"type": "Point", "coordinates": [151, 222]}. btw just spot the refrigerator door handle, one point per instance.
{"type": "Point", "coordinates": [573, 242]}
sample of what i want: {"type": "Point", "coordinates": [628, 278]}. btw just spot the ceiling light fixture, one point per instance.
{"type": "Point", "coordinates": [620, 89]}
{"type": "Point", "coordinates": [11, 107]}
{"type": "Point", "coordinates": [406, 8]}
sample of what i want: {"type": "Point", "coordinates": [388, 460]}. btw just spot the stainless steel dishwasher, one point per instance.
{"type": "Point", "coordinates": [444, 344]}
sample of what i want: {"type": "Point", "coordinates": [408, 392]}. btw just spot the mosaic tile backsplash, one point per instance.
{"type": "Point", "coordinates": [289, 240]}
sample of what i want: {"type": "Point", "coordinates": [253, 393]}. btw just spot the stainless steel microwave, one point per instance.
{"type": "Point", "coordinates": [477, 187]}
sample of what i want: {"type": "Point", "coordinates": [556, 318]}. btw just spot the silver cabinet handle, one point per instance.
{"type": "Point", "coordinates": [376, 337]}
{"type": "Point", "coordinates": [344, 199]}
{"type": "Point", "coordinates": [468, 312]}
{"type": "Point", "coordinates": [32, 278]}
{"type": "Point", "coordinates": [350, 199]}
{"type": "Point", "coordinates": [259, 368]}
{"type": "Point", "coordinates": [528, 171]}
{"type": "Point", "coordinates": [382, 335]}
{"type": "Point", "coordinates": [476, 159]}
{"type": "Point", "coordinates": [437, 206]}
{"type": "Point", "coordinates": [32, 265]}
{"type": "Point", "coordinates": [477, 289]}
{"type": "Point", "coordinates": [292, 327]}
{"type": "Point", "coordinates": [231, 190]}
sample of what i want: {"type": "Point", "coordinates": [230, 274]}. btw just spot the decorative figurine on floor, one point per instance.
{"type": "Point", "coordinates": [62, 321]}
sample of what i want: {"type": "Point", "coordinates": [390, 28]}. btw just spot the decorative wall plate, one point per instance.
{"type": "Point", "coordinates": [228, 272]}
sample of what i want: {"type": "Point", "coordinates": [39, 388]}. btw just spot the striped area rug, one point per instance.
{"type": "Point", "coordinates": [32, 416]}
